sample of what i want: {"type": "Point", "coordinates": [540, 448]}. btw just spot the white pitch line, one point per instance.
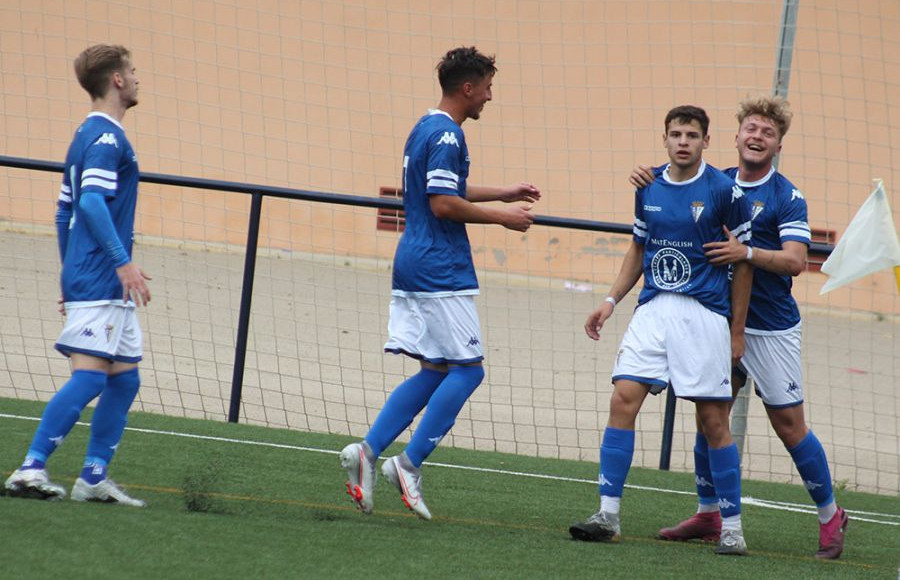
{"type": "Point", "coordinates": [771, 504]}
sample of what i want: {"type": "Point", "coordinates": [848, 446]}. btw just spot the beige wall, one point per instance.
{"type": "Point", "coordinates": [320, 95]}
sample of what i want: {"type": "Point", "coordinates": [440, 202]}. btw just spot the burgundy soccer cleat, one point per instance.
{"type": "Point", "coordinates": [831, 536]}
{"type": "Point", "coordinates": [706, 526]}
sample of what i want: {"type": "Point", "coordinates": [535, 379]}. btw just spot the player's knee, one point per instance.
{"type": "Point", "coordinates": [127, 382]}
{"type": "Point", "coordinates": [791, 434]}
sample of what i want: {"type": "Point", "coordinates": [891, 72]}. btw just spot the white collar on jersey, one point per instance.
{"type": "Point", "coordinates": [754, 183]}
{"type": "Point", "coordinates": [668, 179]}
{"type": "Point", "coordinates": [107, 117]}
{"type": "Point", "coordinates": [439, 112]}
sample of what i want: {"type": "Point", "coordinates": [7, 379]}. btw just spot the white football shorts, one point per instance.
{"type": "Point", "coordinates": [774, 362]}
{"type": "Point", "coordinates": [437, 330]}
{"type": "Point", "coordinates": [673, 339]}
{"type": "Point", "coordinates": [102, 329]}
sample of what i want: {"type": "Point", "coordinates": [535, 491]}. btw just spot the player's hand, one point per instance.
{"type": "Point", "coordinates": [133, 285]}
{"type": "Point", "coordinates": [520, 192]}
{"type": "Point", "coordinates": [595, 321]}
{"type": "Point", "coordinates": [517, 218]}
{"type": "Point", "coordinates": [641, 176]}
{"type": "Point", "coordinates": [737, 348]}
{"type": "Point", "coordinates": [727, 252]}
{"type": "Point", "coordinates": [61, 306]}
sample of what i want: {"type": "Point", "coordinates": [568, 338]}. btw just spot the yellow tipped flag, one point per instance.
{"type": "Point", "coordinates": [868, 245]}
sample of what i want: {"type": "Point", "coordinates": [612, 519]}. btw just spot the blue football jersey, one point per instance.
{"type": "Point", "coordinates": [433, 256]}
{"type": "Point", "coordinates": [100, 160]}
{"type": "Point", "coordinates": [779, 214]}
{"type": "Point", "coordinates": [674, 219]}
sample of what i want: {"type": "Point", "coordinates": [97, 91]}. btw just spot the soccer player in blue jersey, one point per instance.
{"type": "Point", "coordinates": [101, 286]}
{"type": "Point", "coordinates": [432, 312]}
{"type": "Point", "coordinates": [679, 334]}
{"type": "Point", "coordinates": [774, 330]}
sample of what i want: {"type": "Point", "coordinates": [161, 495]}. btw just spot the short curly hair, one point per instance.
{"type": "Point", "coordinates": [777, 109]}
{"type": "Point", "coordinates": [462, 65]}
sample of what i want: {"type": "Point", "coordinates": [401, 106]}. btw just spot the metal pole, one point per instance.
{"type": "Point", "coordinates": [240, 347]}
{"type": "Point", "coordinates": [665, 452]}
{"type": "Point", "coordinates": [740, 409]}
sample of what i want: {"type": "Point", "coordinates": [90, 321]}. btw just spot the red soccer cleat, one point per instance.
{"type": "Point", "coordinates": [831, 536]}
{"type": "Point", "coordinates": [706, 526]}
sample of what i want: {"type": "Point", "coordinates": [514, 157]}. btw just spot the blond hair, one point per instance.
{"type": "Point", "coordinates": [776, 109]}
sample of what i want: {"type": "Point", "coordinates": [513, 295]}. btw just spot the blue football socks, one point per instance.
{"type": "Point", "coordinates": [94, 470]}
{"type": "Point", "coordinates": [725, 465]}
{"type": "Point", "coordinates": [62, 411]}
{"type": "Point", "coordinates": [706, 489]}
{"type": "Point", "coordinates": [809, 457]}
{"type": "Point", "coordinates": [111, 416]}
{"type": "Point", "coordinates": [443, 407]}
{"type": "Point", "coordinates": [616, 453]}
{"type": "Point", "coordinates": [401, 407]}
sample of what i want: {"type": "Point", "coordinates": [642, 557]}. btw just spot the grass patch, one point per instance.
{"type": "Point", "coordinates": [221, 509]}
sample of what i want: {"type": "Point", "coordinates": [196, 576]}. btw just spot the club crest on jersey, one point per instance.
{"type": "Point", "coordinates": [448, 138]}
{"type": "Point", "coordinates": [697, 208]}
{"type": "Point", "coordinates": [795, 193]}
{"type": "Point", "coordinates": [758, 207]}
{"type": "Point", "coordinates": [670, 269]}
{"type": "Point", "coordinates": [107, 139]}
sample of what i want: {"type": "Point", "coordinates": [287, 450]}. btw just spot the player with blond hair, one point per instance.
{"type": "Point", "coordinates": [773, 334]}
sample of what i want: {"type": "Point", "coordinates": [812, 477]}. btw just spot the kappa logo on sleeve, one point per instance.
{"type": "Point", "coordinates": [107, 139]}
{"type": "Point", "coordinates": [448, 138]}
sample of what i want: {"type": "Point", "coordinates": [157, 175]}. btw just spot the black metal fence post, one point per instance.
{"type": "Point", "coordinates": [240, 345]}
{"type": "Point", "coordinates": [665, 453]}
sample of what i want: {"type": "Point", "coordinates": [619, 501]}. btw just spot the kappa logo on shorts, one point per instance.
{"type": "Point", "coordinates": [792, 386]}
{"type": "Point", "coordinates": [473, 341]}
{"type": "Point", "coordinates": [725, 382]}
{"type": "Point", "coordinates": [87, 332]}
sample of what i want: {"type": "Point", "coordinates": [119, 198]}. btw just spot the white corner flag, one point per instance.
{"type": "Point", "coordinates": [868, 245]}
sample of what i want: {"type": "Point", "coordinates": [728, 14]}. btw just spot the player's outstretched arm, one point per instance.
{"type": "Point", "coordinates": [629, 274]}
{"type": "Point", "coordinates": [457, 209]}
{"type": "Point", "coordinates": [509, 193]}
{"type": "Point", "coordinates": [790, 260]}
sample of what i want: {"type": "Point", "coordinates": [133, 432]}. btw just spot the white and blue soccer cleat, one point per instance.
{"type": "Point", "coordinates": [106, 491]}
{"type": "Point", "coordinates": [32, 484]}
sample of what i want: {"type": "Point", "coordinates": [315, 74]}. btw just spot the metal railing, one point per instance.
{"type": "Point", "coordinates": [258, 192]}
